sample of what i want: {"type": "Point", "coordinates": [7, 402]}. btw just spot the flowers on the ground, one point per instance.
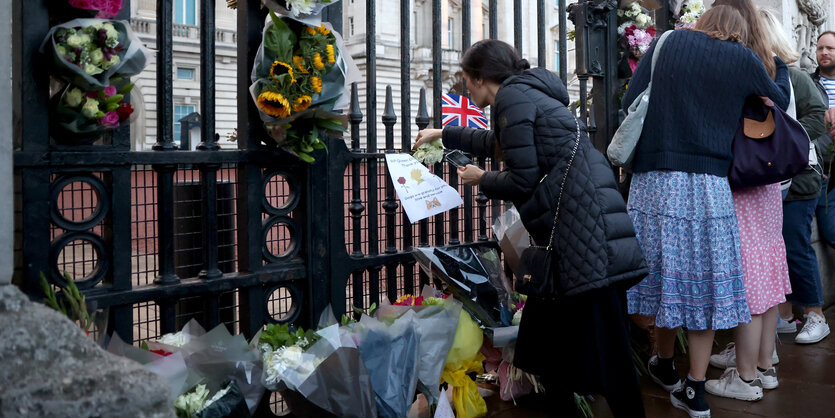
{"type": "Point", "coordinates": [106, 8]}
{"type": "Point", "coordinates": [94, 49]}
{"type": "Point", "coordinates": [284, 352]}
{"type": "Point", "coordinates": [430, 153]}
{"type": "Point", "coordinates": [188, 404]}
{"type": "Point", "coordinates": [516, 305]}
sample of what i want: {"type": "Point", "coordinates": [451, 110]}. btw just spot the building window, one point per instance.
{"type": "Point", "coordinates": [449, 24]}
{"type": "Point", "coordinates": [185, 12]}
{"type": "Point", "coordinates": [180, 111]}
{"type": "Point", "coordinates": [556, 55]}
{"type": "Point", "coordinates": [185, 73]}
{"type": "Point", "coordinates": [351, 23]}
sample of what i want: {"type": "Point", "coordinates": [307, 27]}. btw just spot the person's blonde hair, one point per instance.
{"type": "Point", "coordinates": [757, 39]}
{"type": "Point", "coordinates": [724, 23]}
{"type": "Point", "coordinates": [779, 43]}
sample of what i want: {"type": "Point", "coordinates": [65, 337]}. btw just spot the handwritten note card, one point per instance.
{"type": "Point", "coordinates": [421, 193]}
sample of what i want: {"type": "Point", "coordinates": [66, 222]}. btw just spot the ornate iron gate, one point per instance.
{"type": "Point", "coordinates": [281, 239]}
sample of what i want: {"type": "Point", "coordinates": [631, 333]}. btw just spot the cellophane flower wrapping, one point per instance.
{"type": "Point", "coordinates": [228, 402]}
{"type": "Point", "coordinates": [308, 11]}
{"type": "Point", "coordinates": [465, 357]}
{"type": "Point", "coordinates": [330, 375]}
{"type": "Point", "coordinates": [436, 325]}
{"type": "Point", "coordinates": [170, 367]}
{"type": "Point", "coordinates": [78, 113]}
{"type": "Point", "coordinates": [92, 70]}
{"type": "Point", "coordinates": [219, 356]}
{"type": "Point", "coordinates": [390, 354]}
{"type": "Point", "coordinates": [430, 153]}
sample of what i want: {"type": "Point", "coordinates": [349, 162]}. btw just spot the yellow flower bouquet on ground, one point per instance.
{"type": "Point", "coordinates": [299, 79]}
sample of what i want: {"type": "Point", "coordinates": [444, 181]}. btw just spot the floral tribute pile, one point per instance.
{"type": "Point", "coordinates": [92, 59]}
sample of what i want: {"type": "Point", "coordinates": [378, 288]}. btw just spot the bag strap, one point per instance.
{"type": "Point", "coordinates": [655, 53]}
{"type": "Point", "coordinates": [562, 186]}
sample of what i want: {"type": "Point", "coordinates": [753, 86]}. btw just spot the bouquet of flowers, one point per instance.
{"type": "Point", "coordinates": [105, 9]}
{"type": "Point", "coordinates": [227, 402]}
{"type": "Point", "coordinates": [305, 9]}
{"type": "Point", "coordinates": [636, 31]}
{"type": "Point", "coordinates": [430, 153]}
{"type": "Point", "coordinates": [316, 372]}
{"type": "Point", "coordinates": [390, 354]}
{"type": "Point", "coordinates": [87, 114]}
{"type": "Point", "coordinates": [90, 52]}
{"type": "Point", "coordinates": [436, 319]}
{"type": "Point", "coordinates": [299, 77]}
{"type": "Point", "coordinates": [167, 364]}
{"type": "Point", "coordinates": [689, 13]}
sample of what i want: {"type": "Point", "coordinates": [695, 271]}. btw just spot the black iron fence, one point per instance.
{"type": "Point", "coordinates": [251, 236]}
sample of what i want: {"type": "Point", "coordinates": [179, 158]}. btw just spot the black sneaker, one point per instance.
{"type": "Point", "coordinates": [666, 376]}
{"type": "Point", "coordinates": [691, 399]}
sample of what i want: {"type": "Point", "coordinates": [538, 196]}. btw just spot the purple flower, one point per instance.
{"type": "Point", "coordinates": [109, 91]}
{"type": "Point", "coordinates": [110, 120]}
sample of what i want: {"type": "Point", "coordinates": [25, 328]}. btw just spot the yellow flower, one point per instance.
{"type": "Point", "coordinates": [317, 61]}
{"type": "Point", "coordinates": [317, 84]}
{"type": "Point", "coordinates": [302, 103]}
{"type": "Point", "coordinates": [331, 58]}
{"type": "Point", "coordinates": [299, 63]}
{"type": "Point", "coordinates": [280, 68]}
{"type": "Point", "coordinates": [310, 30]}
{"type": "Point", "coordinates": [274, 104]}
{"type": "Point", "coordinates": [323, 30]}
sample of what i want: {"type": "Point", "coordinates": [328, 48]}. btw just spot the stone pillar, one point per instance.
{"type": "Point", "coordinates": [6, 140]}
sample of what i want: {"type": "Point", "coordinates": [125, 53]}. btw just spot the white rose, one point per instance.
{"type": "Point", "coordinates": [112, 33]}
{"type": "Point", "coordinates": [96, 56]}
{"type": "Point", "coordinates": [92, 69]}
{"type": "Point", "coordinates": [91, 108]}
{"type": "Point", "coordinates": [75, 41]}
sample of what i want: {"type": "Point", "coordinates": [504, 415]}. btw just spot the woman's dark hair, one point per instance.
{"type": "Point", "coordinates": [758, 41]}
{"type": "Point", "coordinates": [492, 60]}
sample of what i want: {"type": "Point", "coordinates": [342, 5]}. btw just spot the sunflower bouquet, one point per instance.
{"type": "Point", "coordinates": [299, 78]}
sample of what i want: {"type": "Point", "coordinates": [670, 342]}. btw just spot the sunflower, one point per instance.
{"type": "Point", "coordinates": [274, 104]}
{"type": "Point", "coordinates": [281, 68]}
{"type": "Point", "coordinates": [317, 84]}
{"type": "Point", "coordinates": [331, 58]}
{"type": "Point", "coordinates": [317, 61]}
{"type": "Point", "coordinates": [299, 63]}
{"type": "Point", "coordinates": [302, 103]}
{"type": "Point", "coordinates": [310, 30]}
{"type": "Point", "coordinates": [323, 30]}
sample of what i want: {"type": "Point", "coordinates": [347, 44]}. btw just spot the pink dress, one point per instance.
{"type": "Point", "coordinates": [759, 212]}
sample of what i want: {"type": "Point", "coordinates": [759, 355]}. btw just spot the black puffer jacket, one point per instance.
{"type": "Point", "coordinates": [536, 133]}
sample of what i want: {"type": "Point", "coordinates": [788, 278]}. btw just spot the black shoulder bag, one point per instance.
{"type": "Point", "coordinates": [538, 270]}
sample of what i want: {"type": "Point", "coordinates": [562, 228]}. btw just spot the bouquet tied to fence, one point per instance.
{"type": "Point", "coordinates": [298, 81]}
{"type": "Point", "coordinates": [636, 31]}
{"type": "Point", "coordinates": [90, 52]}
{"type": "Point", "coordinates": [81, 116]}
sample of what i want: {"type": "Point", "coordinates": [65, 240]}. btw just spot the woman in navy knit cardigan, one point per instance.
{"type": "Point", "coordinates": [680, 201]}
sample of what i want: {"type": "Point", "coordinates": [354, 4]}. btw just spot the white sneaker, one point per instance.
{"type": "Point", "coordinates": [727, 358]}
{"type": "Point", "coordinates": [768, 378]}
{"type": "Point", "coordinates": [786, 327]}
{"type": "Point", "coordinates": [730, 385]}
{"type": "Point", "coordinates": [814, 330]}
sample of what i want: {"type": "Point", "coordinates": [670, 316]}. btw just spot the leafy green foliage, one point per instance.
{"type": "Point", "coordinates": [76, 305]}
{"type": "Point", "coordinates": [280, 39]}
{"type": "Point", "coordinates": [303, 135]}
{"type": "Point", "coordinates": [280, 335]}
{"type": "Point", "coordinates": [357, 312]}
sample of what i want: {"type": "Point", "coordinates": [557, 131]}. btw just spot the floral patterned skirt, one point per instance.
{"type": "Point", "coordinates": [759, 211]}
{"type": "Point", "coordinates": [687, 229]}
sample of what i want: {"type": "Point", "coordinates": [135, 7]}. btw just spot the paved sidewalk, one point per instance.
{"type": "Point", "coordinates": [807, 387]}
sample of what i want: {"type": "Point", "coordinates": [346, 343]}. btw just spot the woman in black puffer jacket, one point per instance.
{"type": "Point", "coordinates": [534, 134]}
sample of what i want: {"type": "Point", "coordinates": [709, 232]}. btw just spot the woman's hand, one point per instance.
{"type": "Point", "coordinates": [470, 175]}
{"type": "Point", "coordinates": [427, 135]}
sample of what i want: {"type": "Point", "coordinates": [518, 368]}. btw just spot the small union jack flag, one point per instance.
{"type": "Point", "coordinates": [459, 111]}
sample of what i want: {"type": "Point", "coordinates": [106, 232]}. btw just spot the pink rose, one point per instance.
{"type": "Point", "coordinates": [110, 120]}
{"type": "Point", "coordinates": [109, 91]}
